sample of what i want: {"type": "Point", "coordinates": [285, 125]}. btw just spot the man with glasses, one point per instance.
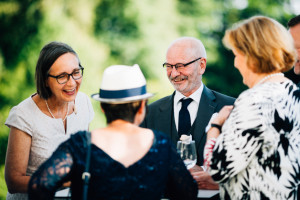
{"type": "Point", "coordinates": [188, 110]}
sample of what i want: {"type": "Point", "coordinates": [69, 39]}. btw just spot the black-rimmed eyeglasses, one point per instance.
{"type": "Point", "coordinates": [64, 77]}
{"type": "Point", "coordinates": [179, 65]}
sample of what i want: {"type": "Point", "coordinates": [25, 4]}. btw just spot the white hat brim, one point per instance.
{"type": "Point", "coordinates": [122, 100]}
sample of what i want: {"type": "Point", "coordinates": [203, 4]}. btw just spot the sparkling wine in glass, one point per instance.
{"type": "Point", "coordinates": [187, 152]}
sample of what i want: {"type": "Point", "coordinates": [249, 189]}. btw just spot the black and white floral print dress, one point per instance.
{"type": "Point", "coordinates": [257, 154]}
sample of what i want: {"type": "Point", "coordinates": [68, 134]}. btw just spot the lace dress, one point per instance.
{"type": "Point", "coordinates": [160, 171]}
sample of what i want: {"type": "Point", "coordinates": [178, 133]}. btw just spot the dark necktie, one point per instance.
{"type": "Point", "coordinates": [184, 121]}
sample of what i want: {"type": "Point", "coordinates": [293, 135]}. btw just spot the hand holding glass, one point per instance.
{"type": "Point", "coordinates": [187, 152]}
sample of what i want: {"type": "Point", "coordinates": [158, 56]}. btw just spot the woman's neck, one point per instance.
{"type": "Point", "coordinates": [119, 123]}
{"type": "Point", "coordinates": [270, 77]}
{"type": "Point", "coordinates": [56, 105]}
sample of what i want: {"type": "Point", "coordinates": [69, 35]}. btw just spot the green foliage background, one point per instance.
{"type": "Point", "coordinates": [107, 32]}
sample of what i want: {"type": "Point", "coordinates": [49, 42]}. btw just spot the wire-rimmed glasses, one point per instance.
{"type": "Point", "coordinates": [179, 65]}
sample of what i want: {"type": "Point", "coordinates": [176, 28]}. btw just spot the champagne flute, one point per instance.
{"type": "Point", "coordinates": [187, 152]}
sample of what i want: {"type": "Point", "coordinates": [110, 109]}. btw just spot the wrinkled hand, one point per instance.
{"type": "Point", "coordinates": [205, 181]}
{"type": "Point", "coordinates": [222, 115]}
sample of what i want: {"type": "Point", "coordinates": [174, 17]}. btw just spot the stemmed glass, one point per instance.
{"type": "Point", "coordinates": [187, 152]}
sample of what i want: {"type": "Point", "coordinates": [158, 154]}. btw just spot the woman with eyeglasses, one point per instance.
{"type": "Point", "coordinates": [47, 118]}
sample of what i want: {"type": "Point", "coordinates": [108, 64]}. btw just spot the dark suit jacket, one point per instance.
{"type": "Point", "coordinates": [293, 77]}
{"type": "Point", "coordinates": [160, 116]}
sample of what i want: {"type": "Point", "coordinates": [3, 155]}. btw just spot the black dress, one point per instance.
{"type": "Point", "coordinates": [160, 172]}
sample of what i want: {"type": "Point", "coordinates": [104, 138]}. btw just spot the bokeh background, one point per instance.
{"type": "Point", "coordinates": [107, 32]}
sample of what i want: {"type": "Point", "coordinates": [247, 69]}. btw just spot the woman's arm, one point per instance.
{"type": "Point", "coordinates": [224, 113]}
{"type": "Point", "coordinates": [16, 162]}
{"type": "Point", "coordinates": [52, 174]}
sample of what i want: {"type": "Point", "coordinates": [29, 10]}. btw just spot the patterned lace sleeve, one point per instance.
{"type": "Point", "coordinates": [181, 184]}
{"type": "Point", "coordinates": [52, 174]}
{"type": "Point", "coordinates": [240, 140]}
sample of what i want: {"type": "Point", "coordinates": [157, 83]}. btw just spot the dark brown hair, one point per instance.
{"type": "Point", "coordinates": [48, 55]}
{"type": "Point", "coordinates": [294, 21]}
{"type": "Point", "coordinates": [126, 111]}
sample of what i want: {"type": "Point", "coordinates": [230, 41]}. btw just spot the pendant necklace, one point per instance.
{"type": "Point", "coordinates": [267, 77]}
{"type": "Point", "coordinates": [53, 115]}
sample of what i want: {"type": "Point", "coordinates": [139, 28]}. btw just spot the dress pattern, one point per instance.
{"type": "Point", "coordinates": [257, 154]}
{"type": "Point", "coordinates": [160, 170]}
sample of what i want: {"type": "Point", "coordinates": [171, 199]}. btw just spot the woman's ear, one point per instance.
{"type": "Point", "coordinates": [101, 108]}
{"type": "Point", "coordinates": [142, 107]}
{"type": "Point", "coordinates": [141, 113]}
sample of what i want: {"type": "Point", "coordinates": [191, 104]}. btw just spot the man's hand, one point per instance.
{"type": "Point", "coordinates": [196, 168]}
{"type": "Point", "coordinates": [66, 184]}
{"type": "Point", "coordinates": [204, 180]}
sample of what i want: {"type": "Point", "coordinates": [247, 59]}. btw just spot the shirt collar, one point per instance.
{"type": "Point", "coordinates": [195, 96]}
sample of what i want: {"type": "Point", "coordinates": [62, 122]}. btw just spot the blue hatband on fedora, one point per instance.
{"type": "Point", "coordinates": [115, 94]}
{"type": "Point", "coordinates": [122, 84]}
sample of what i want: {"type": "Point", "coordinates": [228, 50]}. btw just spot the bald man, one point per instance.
{"type": "Point", "coordinates": [185, 64]}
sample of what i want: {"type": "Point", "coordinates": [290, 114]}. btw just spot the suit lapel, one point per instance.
{"type": "Point", "coordinates": [206, 108]}
{"type": "Point", "coordinates": [166, 118]}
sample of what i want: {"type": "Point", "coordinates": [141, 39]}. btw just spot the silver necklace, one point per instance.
{"type": "Point", "coordinates": [267, 77]}
{"type": "Point", "coordinates": [53, 115]}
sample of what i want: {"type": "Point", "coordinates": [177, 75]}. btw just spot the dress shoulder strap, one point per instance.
{"type": "Point", "coordinates": [86, 175]}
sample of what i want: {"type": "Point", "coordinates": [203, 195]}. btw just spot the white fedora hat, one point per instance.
{"type": "Point", "coordinates": [122, 84]}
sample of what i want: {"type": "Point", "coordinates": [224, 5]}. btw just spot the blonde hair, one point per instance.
{"type": "Point", "coordinates": [267, 45]}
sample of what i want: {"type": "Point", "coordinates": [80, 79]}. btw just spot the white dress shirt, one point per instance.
{"type": "Point", "coordinates": [192, 107]}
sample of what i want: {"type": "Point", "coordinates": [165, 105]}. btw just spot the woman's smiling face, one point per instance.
{"type": "Point", "coordinates": [66, 92]}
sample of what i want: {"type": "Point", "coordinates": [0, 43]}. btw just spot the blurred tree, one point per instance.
{"type": "Point", "coordinates": [19, 21]}
{"type": "Point", "coordinates": [117, 26]}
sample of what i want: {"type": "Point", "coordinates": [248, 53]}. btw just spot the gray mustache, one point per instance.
{"type": "Point", "coordinates": [178, 78]}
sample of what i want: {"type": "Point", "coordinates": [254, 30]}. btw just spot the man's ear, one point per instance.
{"type": "Point", "coordinates": [202, 66]}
